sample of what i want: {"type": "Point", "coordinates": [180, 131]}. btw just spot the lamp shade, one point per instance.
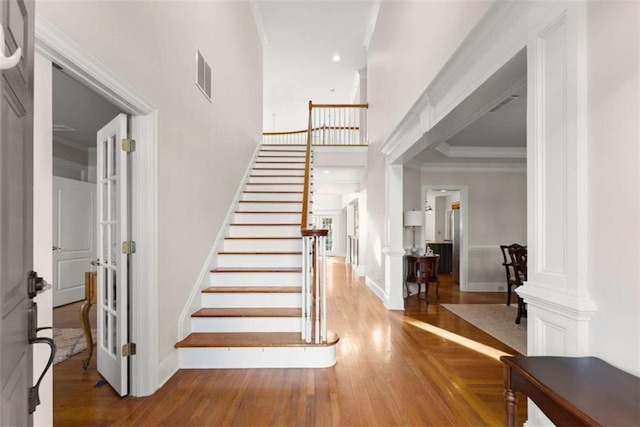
{"type": "Point", "coordinates": [413, 219]}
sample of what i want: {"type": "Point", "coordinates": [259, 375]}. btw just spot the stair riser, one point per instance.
{"type": "Point", "coordinates": [299, 167]}
{"type": "Point", "coordinates": [260, 170]}
{"type": "Point", "coordinates": [275, 178]}
{"type": "Point", "coordinates": [264, 231]}
{"type": "Point", "coordinates": [256, 279]}
{"type": "Point", "coordinates": [246, 324]}
{"type": "Point", "coordinates": [259, 261]}
{"type": "Point", "coordinates": [269, 218]}
{"type": "Point", "coordinates": [289, 147]}
{"type": "Point", "coordinates": [293, 157]}
{"type": "Point", "coordinates": [269, 207]}
{"type": "Point", "coordinates": [238, 300]}
{"type": "Point", "coordinates": [257, 357]}
{"type": "Point", "coordinates": [263, 245]}
{"type": "Point", "coordinates": [271, 187]}
{"type": "Point", "coordinates": [294, 197]}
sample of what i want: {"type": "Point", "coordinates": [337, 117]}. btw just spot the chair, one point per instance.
{"type": "Point", "coordinates": [518, 256]}
{"type": "Point", "coordinates": [423, 269]}
{"type": "Point", "coordinates": [509, 270]}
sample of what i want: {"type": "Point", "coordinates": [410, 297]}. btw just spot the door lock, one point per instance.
{"type": "Point", "coordinates": [96, 262]}
{"type": "Point", "coordinates": [36, 284]}
{"type": "Point", "coordinates": [56, 248]}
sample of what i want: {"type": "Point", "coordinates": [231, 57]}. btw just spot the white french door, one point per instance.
{"type": "Point", "coordinates": [329, 223]}
{"type": "Point", "coordinates": [112, 305]}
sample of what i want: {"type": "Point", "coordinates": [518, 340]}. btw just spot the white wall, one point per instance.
{"type": "Point", "coordinates": [411, 42]}
{"type": "Point", "coordinates": [497, 212]}
{"type": "Point", "coordinates": [614, 196]}
{"type": "Point", "coordinates": [412, 200]}
{"type": "Point", "coordinates": [204, 147]}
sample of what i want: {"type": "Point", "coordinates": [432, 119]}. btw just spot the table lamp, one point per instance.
{"type": "Point", "coordinates": [413, 219]}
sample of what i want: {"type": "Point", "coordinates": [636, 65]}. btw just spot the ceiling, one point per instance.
{"type": "Point", "coordinates": [78, 109]}
{"type": "Point", "coordinates": [300, 39]}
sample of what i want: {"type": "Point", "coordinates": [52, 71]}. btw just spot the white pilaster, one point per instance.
{"type": "Point", "coordinates": [393, 250]}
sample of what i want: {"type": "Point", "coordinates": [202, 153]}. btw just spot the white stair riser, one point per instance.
{"type": "Point", "coordinates": [256, 279]}
{"type": "Point", "coordinates": [238, 300]}
{"type": "Point", "coordinates": [257, 357]}
{"type": "Point", "coordinates": [259, 261]}
{"type": "Point", "coordinates": [299, 167]}
{"type": "Point", "coordinates": [293, 197]}
{"type": "Point", "coordinates": [269, 207]}
{"type": "Point", "coordinates": [288, 147]}
{"type": "Point", "coordinates": [266, 218]}
{"type": "Point", "coordinates": [246, 324]}
{"type": "Point", "coordinates": [272, 187]}
{"type": "Point", "coordinates": [275, 178]}
{"type": "Point", "coordinates": [264, 231]}
{"type": "Point", "coordinates": [263, 245]}
{"type": "Point", "coordinates": [293, 157]}
{"type": "Point", "coordinates": [259, 170]}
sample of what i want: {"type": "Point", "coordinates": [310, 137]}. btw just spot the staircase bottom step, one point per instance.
{"type": "Point", "coordinates": [255, 350]}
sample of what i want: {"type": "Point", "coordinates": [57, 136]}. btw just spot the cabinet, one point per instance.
{"type": "Point", "coordinates": [445, 250]}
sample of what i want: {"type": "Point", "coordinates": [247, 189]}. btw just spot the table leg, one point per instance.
{"type": "Point", "coordinates": [511, 404]}
{"type": "Point", "coordinates": [86, 327]}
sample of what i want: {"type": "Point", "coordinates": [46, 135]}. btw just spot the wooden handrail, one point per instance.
{"type": "Point", "coordinates": [297, 132]}
{"type": "Point", "coordinates": [307, 168]}
{"type": "Point", "coordinates": [340, 105]}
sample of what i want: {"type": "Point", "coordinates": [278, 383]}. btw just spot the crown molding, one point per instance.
{"type": "Point", "coordinates": [257, 18]}
{"type": "Point", "coordinates": [474, 167]}
{"type": "Point", "coordinates": [371, 23]}
{"type": "Point", "coordinates": [482, 152]}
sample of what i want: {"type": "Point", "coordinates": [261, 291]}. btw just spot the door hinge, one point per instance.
{"type": "Point", "coordinates": [128, 145]}
{"type": "Point", "coordinates": [129, 349]}
{"type": "Point", "coordinates": [129, 247]}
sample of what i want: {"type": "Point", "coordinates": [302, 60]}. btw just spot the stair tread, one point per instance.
{"type": "Point", "coordinates": [249, 312]}
{"type": "Point", "coordinates": [257, 270]}
{"type": "Point", "coordinates": [253, 289]}
{"type": "Point", "coordinates": [258, 253]}
{"type": "Point", "coordinates": [252, 339]}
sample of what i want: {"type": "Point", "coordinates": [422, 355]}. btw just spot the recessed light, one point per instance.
{"type": "Point", "coordinates": [443, 191]}
{"type": "Point", "coordinates": [336, 58]}
{"type": "Point", "coordinates": [332, 90]}
{"type": "Point", "coordinates": [326, 171]}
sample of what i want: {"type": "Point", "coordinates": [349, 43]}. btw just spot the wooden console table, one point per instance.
{"type": "Point", "coordinates": [90, 296]}
{"type": "Point", "coordinates": [572, 391]}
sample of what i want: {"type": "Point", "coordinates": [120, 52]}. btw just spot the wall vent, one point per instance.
{"type": "Point", "coordinates": [503, 103]}
{"type": "Point", "coordinates": [203, 75]}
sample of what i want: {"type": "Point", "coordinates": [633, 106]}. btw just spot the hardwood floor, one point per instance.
{"type": "Point", "coordinates": [389, 372]}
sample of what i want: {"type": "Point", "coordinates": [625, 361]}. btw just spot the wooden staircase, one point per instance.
{"type": "Point", "coordinates": [250, 315]}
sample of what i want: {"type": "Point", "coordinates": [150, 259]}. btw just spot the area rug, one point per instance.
{"type": "Point", "coordinates": [69, 342]}
{"type": "Point", "coordinates": [498, 320]}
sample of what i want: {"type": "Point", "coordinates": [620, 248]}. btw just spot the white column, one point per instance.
{"type": "Point", "coordinates": [393, 249]}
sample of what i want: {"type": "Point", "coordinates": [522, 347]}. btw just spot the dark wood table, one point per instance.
{"type": "Point", "coordinates": [572, 391]}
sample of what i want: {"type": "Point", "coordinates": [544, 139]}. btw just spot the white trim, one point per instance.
{"type": "Point", "coordinates": [482, 152]}
{"type": "Point", "coordinates": [371, 23]}
{"type": "Point", "coordinates": [168, 367]}
{"type": "Point", "coordinates": [192, 304]}
{"type": "Point", "coordinates": [361, 270]}
{"type": "Point", "coordinates": [77, 62]}
{"type": "Point", "coordinates": [474, 167]}
{"type": "Point", "coordinates": [375, 287]}
{"type": "Point", "coordinates": [257, 18]}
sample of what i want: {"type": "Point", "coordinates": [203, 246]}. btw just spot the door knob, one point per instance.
{"type": "Point", "coordinates": [56, 248]}
{"type": "Point", "coordinates": [96, 262]}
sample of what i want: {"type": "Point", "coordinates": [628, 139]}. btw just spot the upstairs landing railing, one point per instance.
{"type": "Point", "coordinates": [333, 124]}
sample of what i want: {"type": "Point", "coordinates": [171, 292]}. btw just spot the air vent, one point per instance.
{"type": "Point", "coordinates": [62, 128]}
{"type": "Point", "coordinates": [503, 103]}
{"type": "Point", "coordinates": [203, 76]}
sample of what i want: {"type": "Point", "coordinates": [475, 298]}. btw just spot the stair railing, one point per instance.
{"type": "Point", "coordinates": [314, 284]}
{"type": "Point", "coordinates": [333, 124]}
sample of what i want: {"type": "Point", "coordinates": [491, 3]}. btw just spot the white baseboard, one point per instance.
{"type": "Point", "coordinates": [168, 367]}
{"type": "Point", "coordinates": [360, 270]}
{"type": "Point", "coordinates": [375, 288]}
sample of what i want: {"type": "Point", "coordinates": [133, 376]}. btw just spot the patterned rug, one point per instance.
{"type": "Point", "coordinates": [69, 342]}
{"type": "Point", "coordinates": [498, 320]}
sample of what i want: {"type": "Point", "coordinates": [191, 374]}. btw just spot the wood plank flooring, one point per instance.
{"type": "Point", "coordinates": [389, 373]}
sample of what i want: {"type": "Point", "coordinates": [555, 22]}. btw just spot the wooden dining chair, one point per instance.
{"type": "Point", "coordinates": [518, 256]}
{"type": "Point", "coordinates": [509, 270]}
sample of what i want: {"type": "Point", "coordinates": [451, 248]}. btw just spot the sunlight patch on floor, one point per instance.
{"type": "Point", "coordinates": [470, 344]}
